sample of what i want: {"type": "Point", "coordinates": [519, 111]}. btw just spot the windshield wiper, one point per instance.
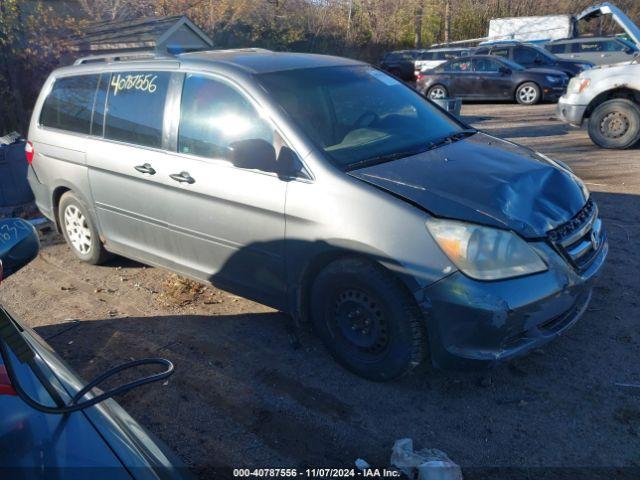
{"type": "Point", "coordinates": [368, 162]}
{"type": "Point", "coordinates": [451, 138]}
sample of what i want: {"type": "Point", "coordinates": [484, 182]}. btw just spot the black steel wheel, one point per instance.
{"type": "Point", "coordinates": [367, 319]}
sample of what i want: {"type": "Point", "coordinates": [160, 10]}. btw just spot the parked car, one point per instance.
{"type": "Point", "coordinates": [485, 77]}
{"type": "Point", "coordinates": [53, 425]}
{"type": "Point", "coordinates": [431, 58]}
{"type": "Point", "coordinates": [325, 188]}
{"type": "Point", "coordinates": [608, 99]}
{"type": "Point", "coordinates": [400, 63]}
{"type": "Point", "coordinates": [532, 56]}
{"type": "Point", "coordinates": [595, 50]}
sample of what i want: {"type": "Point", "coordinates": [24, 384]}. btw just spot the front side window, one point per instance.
{"type": "Point", "coordinates": [70, 103]}
{"type": "Point", "coordinates": [357, 113]}
{"type": "Point", "coordinates": [612, 46]}
{"type": "Point", "coordinates": [214, 116]}
{"type": "Point", "coordinates": [135, 107]}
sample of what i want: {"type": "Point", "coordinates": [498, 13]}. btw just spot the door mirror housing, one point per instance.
{"type": "Point", "coordinates": [505, 71]}
{"type": "Point", "coordinates": [253, 154]}
{"type": "Point", "coordinates": [19, 244]}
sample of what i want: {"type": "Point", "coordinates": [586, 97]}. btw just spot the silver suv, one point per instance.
{"type": "Point", "coordinates": [322, 187]}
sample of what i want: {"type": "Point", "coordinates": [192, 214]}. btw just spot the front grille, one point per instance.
{"type": "Point", "coordinates": [581, 238]}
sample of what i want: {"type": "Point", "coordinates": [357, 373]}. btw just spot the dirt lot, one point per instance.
{"type": "Point", "coordinates": [245, 395]}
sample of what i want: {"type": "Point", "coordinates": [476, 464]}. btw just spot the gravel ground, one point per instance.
{"type": "Point", "coordinates": [245, 395]}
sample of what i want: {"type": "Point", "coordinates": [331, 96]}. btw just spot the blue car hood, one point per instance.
{"type": "Point", "coordinates": [485, 180]}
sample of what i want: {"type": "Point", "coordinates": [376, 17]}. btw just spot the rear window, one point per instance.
{"type": "Point", "coordinates": [70, 103]}
{"type": "Point", "coordinates": [135, 107]}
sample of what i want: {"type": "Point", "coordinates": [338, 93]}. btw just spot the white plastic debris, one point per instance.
{"type": "Point", "coordinates": [425, 464]}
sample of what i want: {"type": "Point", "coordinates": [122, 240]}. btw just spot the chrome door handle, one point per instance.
{"type": "Point", "coordinates": [146, 168]}
{"type": "Point", "coordinates": [182, 177]}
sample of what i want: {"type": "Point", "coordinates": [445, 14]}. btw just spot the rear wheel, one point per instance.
{"type": "Point", "coordinates": [528, 94]}
{"type": "Point", "coordinates": [367, 319]}
{"type": "Point", "coordinates": [437, 92]}
{"type": "Point", "coordinates": [615, 124]}
{"type": "Point", "coordinates": [79, 230]}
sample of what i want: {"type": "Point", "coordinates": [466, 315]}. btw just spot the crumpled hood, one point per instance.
{"type": "Point", "coordinates": [485, 180]}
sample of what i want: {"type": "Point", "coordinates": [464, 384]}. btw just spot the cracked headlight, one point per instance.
{"type": "Point", "coordinates": [485, 253]}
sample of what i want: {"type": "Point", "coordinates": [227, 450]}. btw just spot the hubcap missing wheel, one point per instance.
{"type": "Point", "coordinates": [361, 321]}
{"type": "Point", "coordinates": [614, 125]}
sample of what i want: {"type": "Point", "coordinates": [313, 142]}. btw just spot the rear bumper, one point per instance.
{"type": "Point", "coordinates": [41, 194]}
{"type": "Point", "coordinates": [474, 324]}
{"type": "Point", "coordinates": [570, 113]}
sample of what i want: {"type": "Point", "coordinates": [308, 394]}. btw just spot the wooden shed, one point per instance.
{"type": "Point", "coordinates": [162, 35]}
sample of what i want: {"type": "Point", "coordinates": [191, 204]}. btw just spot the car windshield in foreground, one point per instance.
{"type": "Point", "coordinates": [359, 115]}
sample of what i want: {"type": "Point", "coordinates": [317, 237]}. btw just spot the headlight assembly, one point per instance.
{"type": "Point", "coordinates": [485, 253]}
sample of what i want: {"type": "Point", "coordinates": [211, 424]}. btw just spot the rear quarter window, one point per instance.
{"type": "Point", "coordinates": [135, 107]}
{"type": "Point", "coordinates": [70, 103]}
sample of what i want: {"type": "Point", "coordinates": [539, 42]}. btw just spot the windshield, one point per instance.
{"type": "Point", "coordinates": [357, 113]}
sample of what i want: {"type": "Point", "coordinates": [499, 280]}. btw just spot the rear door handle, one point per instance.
{"type": "Point", "coordinates": [146, 168]}
{"type": "Point", "coordinates": [182, 177]}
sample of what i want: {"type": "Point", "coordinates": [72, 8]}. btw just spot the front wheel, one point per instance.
{"type": "Point", "coordinates": [528, 94]}
{"type": "Point", "coordinates": [367, 319]}
{"type": "Point", "coordinates": [615, 124]}
{"type": "Point", "coordinates": [437, 92]}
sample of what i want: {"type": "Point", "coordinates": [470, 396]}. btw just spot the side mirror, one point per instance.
{"type": "Point", "coordinates": [19, 244]}
{"type": "Point", "coordinates": [254, 154]}
{"type": "Point", "coordinates": [289, 164]}
{"type": "Point", "coordinates": [505, 71]}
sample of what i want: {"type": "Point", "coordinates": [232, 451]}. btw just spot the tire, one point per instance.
{"type": "Point", "coordinates": [615, 124]}
{"type": "Point", "coordinates": [528, 94]}
{"type": "Point", "coordinates": [80, 231]}
{"type": "Point", "coordinates": [367, 319]}
{"type": "Point", "coordinates": [437, 92]}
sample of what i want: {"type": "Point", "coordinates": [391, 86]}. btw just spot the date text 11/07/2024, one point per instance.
{"type": "Point", "coordinates": [316, 473]}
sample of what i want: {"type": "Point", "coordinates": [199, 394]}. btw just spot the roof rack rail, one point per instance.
{"type": "Point", "coordinates": [117, 57]}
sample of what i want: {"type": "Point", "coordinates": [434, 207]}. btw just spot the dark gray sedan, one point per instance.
{"type": "Point", "coordinates": [484, 77]}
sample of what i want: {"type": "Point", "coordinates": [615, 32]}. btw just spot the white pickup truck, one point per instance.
{"type": "Point", "coordinates": [608, 98]}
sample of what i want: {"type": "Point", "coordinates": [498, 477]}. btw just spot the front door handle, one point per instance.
{"type": "Point", "coordinates": [146, 168]}
{"type": "Point", "coordinates": [182, 177]}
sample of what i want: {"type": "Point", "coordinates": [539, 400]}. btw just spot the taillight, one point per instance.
{"type": "Point", "coordinates": [419, 76]}
{"type": "Point", "coordinates": [29, 152]}
{"type": "Point", "coordinates": [5, 384]}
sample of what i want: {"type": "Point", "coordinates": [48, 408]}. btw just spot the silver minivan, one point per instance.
{"type": "Point", "coordinates": [325, 188]}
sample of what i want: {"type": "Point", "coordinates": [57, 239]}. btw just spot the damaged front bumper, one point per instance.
{"type": "Point", "coordinates": [476, 324]}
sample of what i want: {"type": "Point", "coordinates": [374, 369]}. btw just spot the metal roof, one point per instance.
{"type": "Point", "coordinates": [255, 60]}
{"type": "Point", "coordinates": [135, 34]}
